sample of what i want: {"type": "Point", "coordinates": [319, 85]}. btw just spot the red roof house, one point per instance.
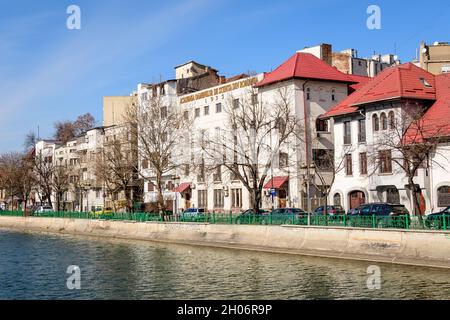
{"type": "Point", "coordinates": [305, 66]}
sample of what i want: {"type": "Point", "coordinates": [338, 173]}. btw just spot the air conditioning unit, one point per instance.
{"type": "Point", "coordinates": [225, 188]}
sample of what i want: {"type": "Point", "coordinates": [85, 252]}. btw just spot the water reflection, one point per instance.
{"type": "Point", "coordinates": [33, 266]}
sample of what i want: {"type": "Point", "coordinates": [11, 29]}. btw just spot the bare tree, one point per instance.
{"type": "Point", "coordinates": [117, 167]}
{"type": "Point", "coordinates": [408, 141]}
{"type": "Point", "coordinates": [255, 133]}
{"type": "Point", "coordinates": [60, 183]}
{"type": "Point", "coordinates": [43, 169]}
{"type": "Point", "coordinates": [30, 141]}
{"type": "Point", "coordinates": [66, 130]}
{"type": "Point", "coordinates": [326, 168]}
{"type": "Point", "coordinates": [16, 177]}
{"type": "Point", "coordinates": [157, 127]}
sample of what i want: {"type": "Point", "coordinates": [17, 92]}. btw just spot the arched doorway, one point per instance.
{"type": "Point", "coordinates": [356, 198]}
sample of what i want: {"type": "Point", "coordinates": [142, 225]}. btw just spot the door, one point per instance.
{"type": "Point", "coordinates": [357, 198]}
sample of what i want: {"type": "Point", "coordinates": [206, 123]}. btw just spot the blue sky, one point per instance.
{"type": "Point", "coordinates": [49, 73]}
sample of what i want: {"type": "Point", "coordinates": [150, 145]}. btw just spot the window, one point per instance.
{"type": "Point", "coordinates": [144, 96]}
{"type": "Point", "coordinates": [145, 164]}
{"type": "Point", "coordinates": [384, 122]}
{"type": "Point", "coordinates": [162, 90]}
{"type": "Point", "coordinates": [163, 112]}
{"type": "Point", "coordinates": [337, 199]}
{"type": "Point", "coordinates": [206, 110]}
{"type": "Point", "coordinates": [347, 133]}
{"type": "Point", "coordinates": [197, 112]}
{"type": "Point", "coordinates": [323, 159]}
{"type": "Point", "coordinates": [284, 159]}
{"type": "Point", "coordinates": [362, 130]}
{"type": "Point", "coordinates": [444, 196]}
{"type": "Point", "coordinates": [219, 198]}
{"type": "Point", "coordinates": [333, 95]}
{"type": "Point", "coordinates": [186, 169]}
{"type": "Point", "coordinates": [321, 125]}
{"type": "Point", "coordinates": [218, 108]}
{"type": "Point", "coordinates": [254, 99]}
{"type": "Point", "coordinates": [385, 158]}
{"type": "Point", "coordinates": [375, 123]}
{"type": "Point", "coordinates": [308, 94]}
{"type": "Point", "coordinates": [202, 198]}
{"type": "Point", "coordinates": [217, 176]}
{"type": "Point", "coordinates": [391, 117]}
{"type": "Point", "coordinates": [186, 115]}
{"type": "Point", "coordinates": [348, 164]}
{"type": "Point", "coordinates": [201, 175]}
{"type": "Point", "coordinates": [363, 163]}
{"type": "Point", "coordinates": [236, 198]}
{"type": "Point", "coordinates": [235, 103]}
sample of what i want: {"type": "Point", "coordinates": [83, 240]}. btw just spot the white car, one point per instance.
{"type": "Point", "coordinates": [43, 209]}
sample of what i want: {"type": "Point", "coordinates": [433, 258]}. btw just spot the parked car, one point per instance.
{"type": "Point", "coordinates": [331, 210]}
{"type": "Point", "coordinates": [436, 220]}
{"type": "Point", "coordinates": [289, 211]}
{"type": "Point", "coordinates": [251, 212]}
{"type": "Point", "coordinates": [382, 211]}
{"type": "Point", "coordinates": [193, 213]}
{"type": "Point", "coordinates": [42, 210]}
{"type": "Point", "coordinates": [104, 212]}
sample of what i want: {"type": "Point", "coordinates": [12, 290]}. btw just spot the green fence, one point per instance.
{"type": "Point", "coordinates": [440, 222]}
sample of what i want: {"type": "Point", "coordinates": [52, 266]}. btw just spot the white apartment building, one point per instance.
{"type": "Point", "coordinates": [313, 88]}
{"type": "Point", "coordinates": [385, 104]}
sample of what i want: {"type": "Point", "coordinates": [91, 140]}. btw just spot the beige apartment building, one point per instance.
{"type": "Point", "coordinates": [434, 58]}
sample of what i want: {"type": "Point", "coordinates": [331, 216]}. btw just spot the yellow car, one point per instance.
{"type": "Point", "coordinates": [107, 212]}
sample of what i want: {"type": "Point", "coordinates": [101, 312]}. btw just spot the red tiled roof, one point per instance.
{"type": "Point", "coordinates": [403, 81]}
{"type": "Point", "coordinates": [360, 82]}
{"type": "Point", "coordinates": [436, 120]}
{"type": "Point", "coordinates": [183, 187]}
{"type": "Point", "coordinates": [276, 182]}
{"type": "Point", "coordinates": [305, 66]}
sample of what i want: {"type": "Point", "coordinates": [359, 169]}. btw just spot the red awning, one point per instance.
{"type": "Point", "coordinates": [276, 182]}
{"type": "Point", "coordinates": [183, 187]}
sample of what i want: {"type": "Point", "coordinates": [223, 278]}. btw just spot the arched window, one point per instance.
{"type": "Point", "coordinates": [375, 123]}
{"type": "Point", "coordinates": [337, 199]}
{"type": "Point", "coordinates": [308, 94]}
{"type": "Point", "coordinates": [391, 120]}
{"type": "Point", "coordinates": [384, 122]}
{"type": "Point", "coordinates": [443, 194]}
{"type": "Point", "coordinates": [321, 125]}
{"type": "Point", "coordinates": [333, 95]}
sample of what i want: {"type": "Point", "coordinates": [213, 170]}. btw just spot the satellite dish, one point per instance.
{"type": "Point", "coordinates": [424, 50]}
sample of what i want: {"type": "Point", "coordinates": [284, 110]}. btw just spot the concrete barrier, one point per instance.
{"type": "Point", "coordinates": [412, 247]}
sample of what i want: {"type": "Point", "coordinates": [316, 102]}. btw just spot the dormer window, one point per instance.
{"type": "Point", "coordinates": [425, 83]}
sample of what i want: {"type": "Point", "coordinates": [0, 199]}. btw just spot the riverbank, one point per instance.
{"type": "Point", "coordinates": [409, 247]}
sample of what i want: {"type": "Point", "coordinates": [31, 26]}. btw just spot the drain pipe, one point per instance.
{"type": "Point", "coordinates": [308, 154]}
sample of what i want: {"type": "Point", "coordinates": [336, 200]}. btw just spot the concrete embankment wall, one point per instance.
{"type": "Point", "coordinates": [422, 248]}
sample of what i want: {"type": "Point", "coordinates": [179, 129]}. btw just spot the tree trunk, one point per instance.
{"type": "Point", "coordinates": [416, 200]}
{"type": "Point", "coordinates": [160, 198]}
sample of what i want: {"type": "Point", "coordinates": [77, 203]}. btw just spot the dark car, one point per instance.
{"type": "Point", "coordinates": [380, 214]}
{"type": "Point", "coordinates": [331, 210]}
{"type": "Point", "coordinates": [439, 220]}
{"type": "Point", "coordinates": [289, 211]}
{"type": "Point", "coordinates": [251, 212]}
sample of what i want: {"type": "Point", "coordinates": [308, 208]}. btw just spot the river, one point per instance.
{"type": "Point", "coordinates": [34, 266]}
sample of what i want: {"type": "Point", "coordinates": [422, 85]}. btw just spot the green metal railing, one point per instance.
{"type": "Point", "coordinates": [440, 222]}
